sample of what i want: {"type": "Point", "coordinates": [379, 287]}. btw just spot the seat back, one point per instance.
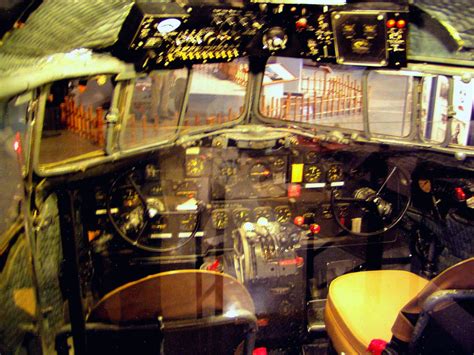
{"type": "Point", "coordinates": [446, 325]}
{"type": "Point", "coordinates": [441, 315]}
{"type": "Point", "coordinates": [198, 312]}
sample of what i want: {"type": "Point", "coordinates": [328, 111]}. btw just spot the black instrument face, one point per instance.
{"type": "Point", "coordinates": [170, 36]}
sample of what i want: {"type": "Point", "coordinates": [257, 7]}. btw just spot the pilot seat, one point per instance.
{"type": "Point", "coordinates": [411, 314]}
{"type": "Point", "coordinates": [176, 312]}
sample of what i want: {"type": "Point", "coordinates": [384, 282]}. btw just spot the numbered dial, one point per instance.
{"type": "Point", "coordinates": [194, 166]}
{"type": "Point", "coordinates": [220, 219]}
{"type": "Point", "coordinates": [282, 214]}
{"type": "Point", "coordinates": [241, 215]}
{"type": "Point", "coordinates": [335, 173]}
{"type": "Point", "coordinates": [260, 172]}
{"type": "Point", "coordinates": [312, 173]}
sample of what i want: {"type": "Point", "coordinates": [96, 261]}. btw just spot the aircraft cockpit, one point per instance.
{"type": "Point", "coordinates": [237, 177]}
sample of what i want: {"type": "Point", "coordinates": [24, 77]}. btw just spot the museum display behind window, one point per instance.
{"type": "Point", "coordinates": [13, 115]}
{"type": "Point", "coordinates": [74, 118]}
{"type": "Point", "coordinates": [434, 108]}
{"type": "Point", "coordinates": [154, 107]}
{"type": "Point", "coordinates": [462, 127]}
{"type": "Point", "coordinates": [299, 90]}
{"type": "Point", "coordinates": [389, 103]}
{"type": "Point", "coordinates": [217, 94]}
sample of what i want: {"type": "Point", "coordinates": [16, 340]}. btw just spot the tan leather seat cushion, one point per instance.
{"type": "Point", "coordinates": [363, 306]}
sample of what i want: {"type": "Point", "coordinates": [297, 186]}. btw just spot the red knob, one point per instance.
{"type": "Point", "coordinates": [315, 228]}
{"type": "Point", "coordinates": [299, 220]}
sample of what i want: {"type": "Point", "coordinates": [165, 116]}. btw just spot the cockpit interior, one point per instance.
{"type": "Point", "coordinates": [237, 177]}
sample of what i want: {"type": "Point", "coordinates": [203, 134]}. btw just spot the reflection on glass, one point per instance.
{"type": "Point", "coordinates": [434, 108]}
{"type": "Point", "coordinates": [12, 146]}
{"type": "Point", "coordinates": [390, 103]}
{"type": "Point", "coordinates": [217, 93]}
{"type": "Point", "coordinates": [155, 106]}
{"type": "Point", "coordinates": [74, 118]}
{"type": "Point", "coordinates": [462, 131]}
{"type": "Point", "coordinates": [298, 90]}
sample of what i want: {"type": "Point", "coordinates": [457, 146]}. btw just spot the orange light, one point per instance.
{"type": "Point", "coordinates": [17, 143]}
{"type": "Point", "coordinates": [299, 220]}
{"type": "Point", "coordinates": [301, 24]}
{"type": "Point", "coordinates": [391, 23]}
{"type": "Point", "coordinates": [401, 23]}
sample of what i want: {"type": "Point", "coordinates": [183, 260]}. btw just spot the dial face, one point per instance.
{"type": "Point", "coordinates": [334, 173]}
{"type": "Point", "coordinates": [241, 215]}
{"type": "Point", "coordinates": [194, 166]}
{"type": "Point", "coordinates": [312, 173]}
{"type": "Point", "coordinates": [279, 164]}
{"type": "Point", "coordinates": [188, 222]}
{"type": "Point", "coordinates": [311, 157]}
{"type": "Point", "coordinates": [262, 212]}
{"type": "Point", "coordinates": [260, 172]}
{"type": "Point", "coordinates": [282, 214]}
{"type": "Point", "coordinates": [227, 172]}
{"type": "Point", "coordinates": [219, 217]}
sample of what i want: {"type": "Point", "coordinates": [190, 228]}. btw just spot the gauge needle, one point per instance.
{"type": "Point", "coordinates": [386, 180]}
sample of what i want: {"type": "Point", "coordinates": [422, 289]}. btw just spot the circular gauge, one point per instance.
{"type": "Point", "coordinates": [219, 217]}
{"type": "Point", "coordinates": [311, 157]}
{"type": "Point", "coordinates": [241, 215]}
{"type": "Point", "coordinates": [334, 173]}
{"type": "Point", "coordinates": [262, 212]}
{"type": "Point", "coordinates": [186, 189]}
{"type": "Point", "coordinates": [283, 214]}
{"type": "Point", "coordinates": [130, 198]}
{"type": "Point", "coordinates": [194, 167]}
{"type": "Point", "coordinates": [168, 25]}
{"type": "Point", "coordinates": [279, 164]}
{"type": "Point", "coordinates": [312, 173]}
{"type": "Point", "coordinates": [227, 171]}
{"type": "Point", "coordinates": [259, 173]}
{"type": "Point", "coordinates": [187, 222]}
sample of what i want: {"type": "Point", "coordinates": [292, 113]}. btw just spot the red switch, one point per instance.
{"type": "Point", "coordinates": [301, 24]}
{"type": "Point", "coordinates": [299, 220]}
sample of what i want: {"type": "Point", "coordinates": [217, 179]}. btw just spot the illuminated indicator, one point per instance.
{"type": "Point", "coordinates": [401, 23]}
{"type": "Point", "coordinates": [161, 236]}
{"type": "Point", "coordinates": [460, 194]}
{"type": "Point", "coordinates": [299, 220]}
{"type": "Point", "coordinates": [188, 234]}
{"type": "Point", "coordinates": [337, 183]}
{"type": "Point", "coordinates": [301, 24]}
{"type": "Point", "coordinates": [168, 25]}
{"type": "Point", "coordinates": [297, 172]}
{"type": "Point", "coordinates": [391, 23]}
{"type": "Point", "coordinates": [315, 185]}
{"type": "Point", "coordinates": [192, 151]}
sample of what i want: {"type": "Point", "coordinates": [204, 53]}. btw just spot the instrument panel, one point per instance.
{"type": "Point", "coordinates": [168, 35]}
{"type": "Point", "coordinates": [205, 193]}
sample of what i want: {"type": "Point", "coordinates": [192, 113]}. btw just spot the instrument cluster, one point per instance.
{"type": "Point", "coordinates": [206, 193]}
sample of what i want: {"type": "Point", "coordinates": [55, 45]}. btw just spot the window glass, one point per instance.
{"type": "Point", "coordinates": [299, 90]}
{"type": "Point", "coordinates": [13, 118]}
{"type": "Point", "coordinates": [155, 105]}
{"type": "Point", "coordinates": [74, 118]}
{"type": "Point", "coordinates": [389, 103]}
{"type": "Point", "coordinates": [217, 93]}
{"type": "Point", "coordinates": [434, 108]}
{"type": "Point", "coordinates": [462, 130]}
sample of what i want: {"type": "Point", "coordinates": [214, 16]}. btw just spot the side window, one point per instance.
{"type": "Point", "coordinates": [434, 108]}
{"type": "Point", "coordinates": [13, 119]}
{"type": "Point", "coordinates": [74, 118]}
{"type": "Point", "coordinates": [462, 129]}
{"type": "Point", "coordinates": [390, 104]}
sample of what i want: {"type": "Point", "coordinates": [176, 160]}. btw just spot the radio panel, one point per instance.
{"type": "Point", "coordinates": [170, 35]}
